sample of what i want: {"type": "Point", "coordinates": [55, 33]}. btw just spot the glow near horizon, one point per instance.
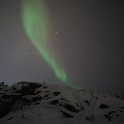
{"type": "Point", "coordinates": [35, 21]}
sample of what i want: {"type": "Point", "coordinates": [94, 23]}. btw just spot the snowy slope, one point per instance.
{"type": "Point", "coordinates": [34, 103]}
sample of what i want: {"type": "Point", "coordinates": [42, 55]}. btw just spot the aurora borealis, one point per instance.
{"type": "Point", "coordinates": [78, 43]}
{"type": "Point", "coordinates": [36, 24]}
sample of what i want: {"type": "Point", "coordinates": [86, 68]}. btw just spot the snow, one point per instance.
{"type": "Point", "coordinates": [33, 103]}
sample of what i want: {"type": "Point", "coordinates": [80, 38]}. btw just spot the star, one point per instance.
{"type": "Point", "coordinates": [57, 32]}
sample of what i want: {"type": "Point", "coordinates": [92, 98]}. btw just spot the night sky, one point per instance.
{"type": "Point", "coordinates": [85, 36]}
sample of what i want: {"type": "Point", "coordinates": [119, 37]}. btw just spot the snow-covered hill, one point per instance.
{"type": "Point", "coordinates": [34, 103]}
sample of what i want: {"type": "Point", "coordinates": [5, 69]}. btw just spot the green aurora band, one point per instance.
{"type": "Point", "coordinates": [35, 21]}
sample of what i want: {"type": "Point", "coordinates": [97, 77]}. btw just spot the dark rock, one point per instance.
{"type": "Point", "coordinates": [56, 93]}
{"type": "Point", "coordinates": [5, 108]}
{"type": "Point", "coordinates": [36, 103]}
{"type": "Point", "coordinates": [111, 112]}
{"type": "Point", "coordinates": [37, 98]}
{"type": "Point", "coordinates": [10, 118]}
{"type": "Point", "coordinates": [54, 102]}
{"type": "Point", "coordinates": [44, 87]}
{"type": "Point", "coordinates": [108, 117]}
{"type": "Point", "coordinates": [103, 106]}
{"type": "Point", "coordinates": [90, 118]}
{"type": "Point", "coordinates": [70, 108]}
{"type": "Point", "coordinates": [87, 102]}
{"type": "Point", "coordinates": [66, 115]}
{"type": "Point", "coordinates": [122, 107]}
